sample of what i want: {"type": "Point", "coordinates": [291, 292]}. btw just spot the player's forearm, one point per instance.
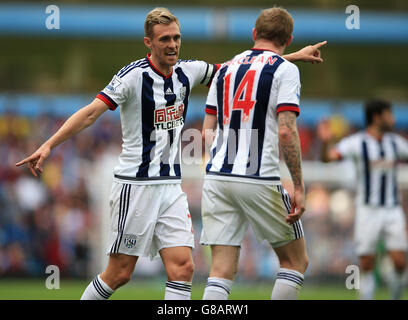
{"type": "Point", "coordinates": [324, 152]}
{"type": "Point", "coordinates": [80, 120]}
{"type": "Point", "coordinates": [292, 57]}
{"type": "Point", "coordinates": [290, 147]}
{"type": "Point", "coordinates": [208, 131]}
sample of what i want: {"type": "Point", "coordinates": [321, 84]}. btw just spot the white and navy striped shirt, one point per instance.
{"type": "Point", "coordinates": [153, 109]}
{"type": "Point", "coordinates": [376, 164]}
{"type": "Point", "coordinates": [247, 94]}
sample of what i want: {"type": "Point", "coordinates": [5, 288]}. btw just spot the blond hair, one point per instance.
{"type": "Point", "coordinates": [274, 24]}
{"type": "Point", "coordinates": [158, 16]}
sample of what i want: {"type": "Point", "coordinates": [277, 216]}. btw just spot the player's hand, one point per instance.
{"type": "Point", "coordinates": [36, 159]}
{"type": "Point", "coordinates": [297, 206]}
{"type": "Point", "coordinates": [311, 53]}
{"type": "Point", "coordinates": [323, 131]}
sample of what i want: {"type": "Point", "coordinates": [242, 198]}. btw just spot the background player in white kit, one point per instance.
{"type": "Point", "coordinates": [375, 152]}
{"type": "Point", "coordinates": [149, 211]}
{"type": "Point", "coordinates": [253, 103]}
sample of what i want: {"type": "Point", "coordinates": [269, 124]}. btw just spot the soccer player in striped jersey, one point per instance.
{"type": "Point", "coordinates": [375, 152]}
{"type": "Point", "coordinates": [149, 210]}
{"type": "Point", "coordinates": [252, 105]}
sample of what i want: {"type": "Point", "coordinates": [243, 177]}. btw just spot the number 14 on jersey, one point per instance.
{"type": "Point", "coordinates": [241, 100]}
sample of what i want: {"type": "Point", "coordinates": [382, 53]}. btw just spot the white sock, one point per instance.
{"type": "Point", "coordinates": [367, 285]}
{"type": "Point", "coordinates": [217, 289]}
{"type": "Point", "coordinates": [97, 290]}
{"type": "Point", "coordinates": [396, 285]}
{"type": "Point", "coordinates": [287, 285]}
{"type": "Point", "coordinates": [177, 290]}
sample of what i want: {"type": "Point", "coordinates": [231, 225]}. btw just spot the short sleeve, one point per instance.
{"type": "Point", "coordinates": [288, 94]}
{"type": "Point", "coordinates": [116, 92]}
{"type": "Point", "coordinates": [211, 102]}
{"type": "Point", "coordinates": [401, 146]}
{"type": "Point", "coordinates": [347, 147]}
{"type": "Point", "coordinates": [200, 72]}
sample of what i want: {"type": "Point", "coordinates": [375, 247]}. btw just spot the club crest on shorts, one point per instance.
{"type": "Point", "coordinates": [129, 240]}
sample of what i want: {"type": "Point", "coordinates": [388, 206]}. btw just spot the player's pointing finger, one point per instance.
{"type": "Point", "coordinates": [26, 160]}
{"type": "Point", "coordinates": [320, 44]}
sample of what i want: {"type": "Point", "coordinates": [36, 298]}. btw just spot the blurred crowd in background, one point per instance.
{"type": "Point", "coordinates": [49, 220]}
{"type": "Point", "coordinates": [53, 219]}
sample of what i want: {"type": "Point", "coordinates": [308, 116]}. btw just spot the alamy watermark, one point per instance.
{"type": "Point", "coordinates": [53, 19]}
{"type": "Point", "coordinates": [53, 280]}
{"type": "Point", "coordinates": [353, 19]}
{"type": "Point", "coordinates": [353, 280]}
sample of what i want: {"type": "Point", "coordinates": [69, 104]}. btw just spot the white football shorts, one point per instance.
{"type": "Point", "coordinates": [228, 207]}
{"type": "Point", "coordinates": [148, 218]}
{"type": "Point", "coordinates": [372, 223]}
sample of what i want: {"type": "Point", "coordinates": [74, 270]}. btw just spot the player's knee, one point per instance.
{"type": "Point", "coordinates": [224, 271]}
{"type": "Point", "coordinates": [298, 263]}
{"type": "Point", "coordinates": [400, 264]}
{"type": "Point", "coordinates": [122, 278]}
{"type": "Point", "coordinates": [301, 264]}
{"type": "Point", "coordinates": [181, 271]}
{"type": "Point", "coordinates": [367, 264]}
{"type": "Point", "coordinates": [116, 278]}
{"type": "Point", "coordinates": [305, 263]}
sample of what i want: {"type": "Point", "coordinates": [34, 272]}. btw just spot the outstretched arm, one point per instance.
{"type": "Point", "coordinates": [80, 120]}
{"type": "Point", "coordinates": [328, 153]}
{"type": "Point", "coordinates": [307, 54]}
{"type": "Point", "coordinates": [290, 147]}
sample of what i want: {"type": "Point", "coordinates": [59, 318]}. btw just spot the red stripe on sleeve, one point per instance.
{"type": "Point", "coordinates": [288, 108]}
{"type": "Point", "coordinates": [211, 111]}
{"type": "Point", "coordinates": [110, 105]}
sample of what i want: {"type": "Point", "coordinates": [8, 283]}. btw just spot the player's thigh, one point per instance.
{"type": "Point", "coordinates": [134, 210]}
{"type": "Point", "coordinates": [222, 220]}
{"type": "Point", "coordinates": [266, 208]}
{"type": "Point", "coordinates": [120, 261]}
{"type": "Point", "coordinates": [368, 226]}
{"type": "Point", "coordinates": [293, 255]}
{"type": "Point", "coordinates": [174, 225]}
{"type": "Point", "coordinates": [177, 256]}
{"type": "Point", "coordinates": [395, 234]}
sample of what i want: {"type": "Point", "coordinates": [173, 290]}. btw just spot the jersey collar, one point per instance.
{"type": "Point", "coordinates": [157, 70]}
{"type": "Point", "coordinates": [257, 49]}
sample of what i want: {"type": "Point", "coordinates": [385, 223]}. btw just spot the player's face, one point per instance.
{"type": "Point", "coordinates": [165, 44]}
{"type": "Point", "coordinates": [387, 120]}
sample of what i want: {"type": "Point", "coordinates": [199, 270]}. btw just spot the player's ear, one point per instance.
{"type": "Point", "coordinates": [148, 42]}
{"type": "Point", "coordinates": [289, 41]}
{"type": "Point", "coordinates": [254, 34]}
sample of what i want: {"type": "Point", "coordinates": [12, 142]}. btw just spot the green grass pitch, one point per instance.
{"type": "Point", "coordinates": [27, 289]}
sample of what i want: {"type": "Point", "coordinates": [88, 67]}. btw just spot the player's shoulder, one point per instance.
{"type": "Point", "coordinates": [354, 138]}
{"type": "Point", "coordinates": [287, 66]}
{"type": "Point", "coordinates": [395, 135]}
{"type": "Point", "coordinates": [133, 68]}
{"type": "Point", "coordinates": [191, 67]}
{"type": "Point", "coordinates": [186, 63]}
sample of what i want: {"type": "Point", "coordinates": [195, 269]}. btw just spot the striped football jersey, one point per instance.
{"type": "Point", "coordinates": [376, 164]}
{"type": "Point", "coordinates": [153, 108]}
{"type": "Point", "coordinates": [247, 94]}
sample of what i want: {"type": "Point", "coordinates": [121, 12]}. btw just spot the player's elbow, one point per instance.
{"type": "Point", "coordinates": [330, 156]}
{"type": "Point", "coordinates": [285, 134]}
{"type": "Point", "coordinates": [90, 117]}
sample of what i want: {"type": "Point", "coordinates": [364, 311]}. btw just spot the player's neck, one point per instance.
{"type": "Point", "coordinates": [268, 45]}
{"type": "Point", "coordinates": [375, 132]}
{"type": "Point", "coordinates": [166, 70]}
